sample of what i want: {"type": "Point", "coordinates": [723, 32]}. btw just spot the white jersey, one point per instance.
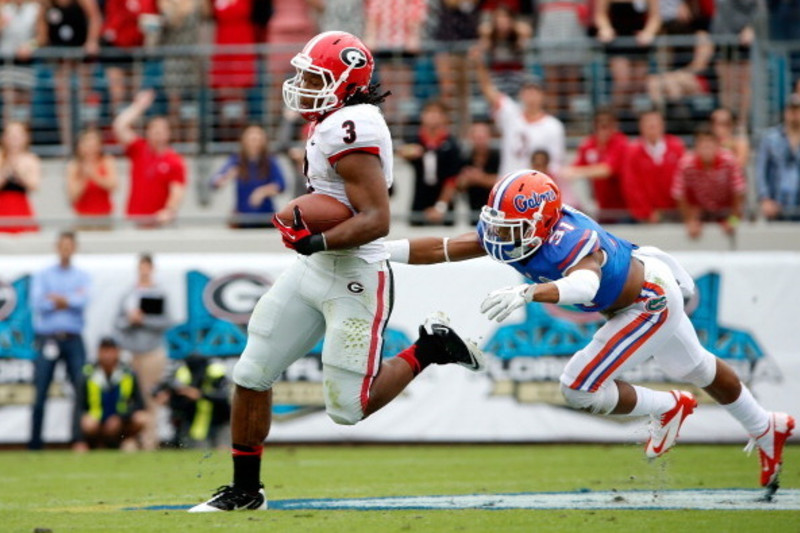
{"type": "Point", "coordinates": [358, 128]}
{"type": "Point", "coordinates": [520, 138]}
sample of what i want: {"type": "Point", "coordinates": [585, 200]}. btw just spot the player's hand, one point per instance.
{"type": "Point", "coordinates": [502, 302]}
{"type": "Point", "coordinates": [298, 237]}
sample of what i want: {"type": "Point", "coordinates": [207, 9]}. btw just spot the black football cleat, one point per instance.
{"type": "Point", "coordinates": [229, 498]}
{"type": "Point", "coordinates": [443, 345]}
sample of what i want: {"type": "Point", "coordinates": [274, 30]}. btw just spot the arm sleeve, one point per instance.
{"type": "Point", "coordinates": [219, 174]}
{"type": "Point", "coordinates": [587, 243]}
{"type": "Point", "coordinates": [580, 157]}
{"type": "Point", "coordinates": [276, 174]}
{"type": "Point", "coordinates": [134, 148]}
{"type": "Point", "coordinates": [763, 169]}
{"type": "Point", "coordinates": [557, 146]}
{"type": "Point", "coordinates": [615, 156]}
{"type": "Point", "coordinates": [121, 322]}
{"type": "Point", "coordinates": [179, 171]}
{"type": "Point", "coordinates": [504, 111]}
{"type": "Point", "coordinates": [80, 297]}
{"type": "Point", "coordinates": [678, 189]}
{"type": "Point", "coordinates": [348, 133]}
{"type": "Point", "coordinates": [737, 179]}
{"type": "Point", "coordinates": [38, 298]}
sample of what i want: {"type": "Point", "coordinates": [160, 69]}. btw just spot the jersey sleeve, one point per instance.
{"type": "Point", "coordinates": [678, 189]}
{"type": "Point", "coordinates": [507, 111]}
{"type": "Point", "coordinates": [573, 246]}
{"type": "Point", "coordinates": [346, 132]}
{"type": "Point", "coordinates": [135, 147]}
{"type": "Point", "coordinates": [581, 159]}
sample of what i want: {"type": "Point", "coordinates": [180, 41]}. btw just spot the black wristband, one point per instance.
{"type": "Point", "coordinates": [311, 244]}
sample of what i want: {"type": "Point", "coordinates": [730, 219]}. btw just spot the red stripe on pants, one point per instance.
{"type": "Point", "coordinates": [598, 359]}
{"type": "Point", "coordinates": [374, 342]}
{"type": "Point", "coordinates": [630, 351]}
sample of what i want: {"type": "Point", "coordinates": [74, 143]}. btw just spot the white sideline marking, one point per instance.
{"type": "Point", "coordinates": [712, 499]}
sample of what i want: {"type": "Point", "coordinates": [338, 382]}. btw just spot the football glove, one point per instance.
{"type": "Point", "coordinates": [502, 302]}
{"type": "Point", "coordinates": [298, 237]}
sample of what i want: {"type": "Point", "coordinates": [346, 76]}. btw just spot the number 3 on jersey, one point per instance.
{"type": "Point", "coordinates": [350, 129]}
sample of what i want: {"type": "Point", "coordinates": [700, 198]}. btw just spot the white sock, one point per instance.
{"type": "Point", "coordinates": [651, 402]}
{"type": "Point", "coordinates": [749, 413]}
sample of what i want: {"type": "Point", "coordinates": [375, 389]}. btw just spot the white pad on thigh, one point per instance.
{"type": "Point", "coordinates": [344, 394]}
{"type": "Point", "coordinates": [282, 329]}
{"type": "Point", "coordinates": [684, 359]}
{"type": "Point", "coordinates": [600, 402]}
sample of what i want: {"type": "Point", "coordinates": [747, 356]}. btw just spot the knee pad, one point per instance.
{"type": "Point", "coordinates": [345, 417]}
{"type": "Point", "coordinates": [703, 374]}
{"type": "Point", "coordinates": [600, 402]}
{"type": "Point", "coordinates": [250, 375]}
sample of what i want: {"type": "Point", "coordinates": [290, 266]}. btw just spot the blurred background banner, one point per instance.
{"type": "Point", "coordinates": [746, 314]}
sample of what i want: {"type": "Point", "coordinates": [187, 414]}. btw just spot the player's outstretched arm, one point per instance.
{"type": "Point", "coordinates": [365, 187]}
{"type": "Point", "coordinates": [578, 286]}
{"type": "Point", "coordinates": [430, 250]}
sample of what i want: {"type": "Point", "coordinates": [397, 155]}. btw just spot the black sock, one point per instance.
{"type": "Point", "coordinates": [247, 467]}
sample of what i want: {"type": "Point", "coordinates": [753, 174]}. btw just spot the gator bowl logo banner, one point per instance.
{"type": "Point", "coordinates": [530, 356]}
{"type": "Point", "coordinates": [217, 311]}
{"type": "Point", "coordinates": [16, 326]}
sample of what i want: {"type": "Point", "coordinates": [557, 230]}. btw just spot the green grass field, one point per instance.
{"type": "Point", "coordinates": [62, 491]}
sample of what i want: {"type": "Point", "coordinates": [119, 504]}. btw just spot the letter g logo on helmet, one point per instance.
{"type": "Point", "coordinates": [353, 57]}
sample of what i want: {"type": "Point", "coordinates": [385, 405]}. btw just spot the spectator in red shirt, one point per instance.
{"type": "Point", "coordinates": [232, 74]}
{"type": "Point", "coordinates": [709, 185]}
{"type": "Point", "coordinates": [601, 159]}
{"type": "Point", "coordinates": [649, 170]}
{"type": "Point", "coordinates": [121, 32]}
{"type": "Point", "coordinates": [91, 177]}
{"type": "Point", "coordinates": [158, 173]}
{"type": "Point", "coordinates": [20, 175]}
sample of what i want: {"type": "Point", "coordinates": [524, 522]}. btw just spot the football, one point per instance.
{"type": "Point", "coordinates": [320, 212]}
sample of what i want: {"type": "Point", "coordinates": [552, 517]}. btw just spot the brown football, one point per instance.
{"type": "Point", "coordinates": [320, 212]}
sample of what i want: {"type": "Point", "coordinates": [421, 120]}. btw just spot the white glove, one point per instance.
{"type": "Point", "coordinates": [502, 302]}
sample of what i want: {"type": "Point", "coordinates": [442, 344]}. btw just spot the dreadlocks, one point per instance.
{"type": "Point", "coordinates": [370, 96]}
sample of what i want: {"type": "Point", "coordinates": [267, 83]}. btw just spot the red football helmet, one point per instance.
{"type": "Point", "coordinates": [521, 211]}
{"type": "Point", "coordinates": [342, 62]}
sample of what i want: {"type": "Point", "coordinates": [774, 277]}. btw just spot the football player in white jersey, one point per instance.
{"type": "Point", "coordinates": [341, 284]}
{"type": "Point", "coordinates": [525, 126]}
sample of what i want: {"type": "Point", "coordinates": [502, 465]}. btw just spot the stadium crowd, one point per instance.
{"type": "Point", "coordinates": [506, 81]}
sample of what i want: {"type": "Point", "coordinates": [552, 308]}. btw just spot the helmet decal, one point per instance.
{"type": "Point", "coordinates": [353, 57]}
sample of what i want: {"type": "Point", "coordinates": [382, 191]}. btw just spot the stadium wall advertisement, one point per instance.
{"type": "Point", "coordinates": [746, 313]}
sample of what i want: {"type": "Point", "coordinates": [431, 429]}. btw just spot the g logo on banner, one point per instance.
{"type": "Point", "coordinates": [234, 296]}
{"type": "Point", "coordinates": [353, 57]}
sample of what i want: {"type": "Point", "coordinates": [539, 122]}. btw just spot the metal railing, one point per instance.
{"type": "Point", "coordinates": [231, 86]}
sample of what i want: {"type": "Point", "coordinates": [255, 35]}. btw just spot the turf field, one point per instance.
{"type": "Point", "coordinates": [62, 491]}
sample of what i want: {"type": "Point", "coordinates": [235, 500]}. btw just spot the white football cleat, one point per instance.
{"type": "Point", "coordinates": [665, 428]}
{"type": "Point", "coordinates": [229, 498]}
{"type": "Point", "coordinates": [770, 447]}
